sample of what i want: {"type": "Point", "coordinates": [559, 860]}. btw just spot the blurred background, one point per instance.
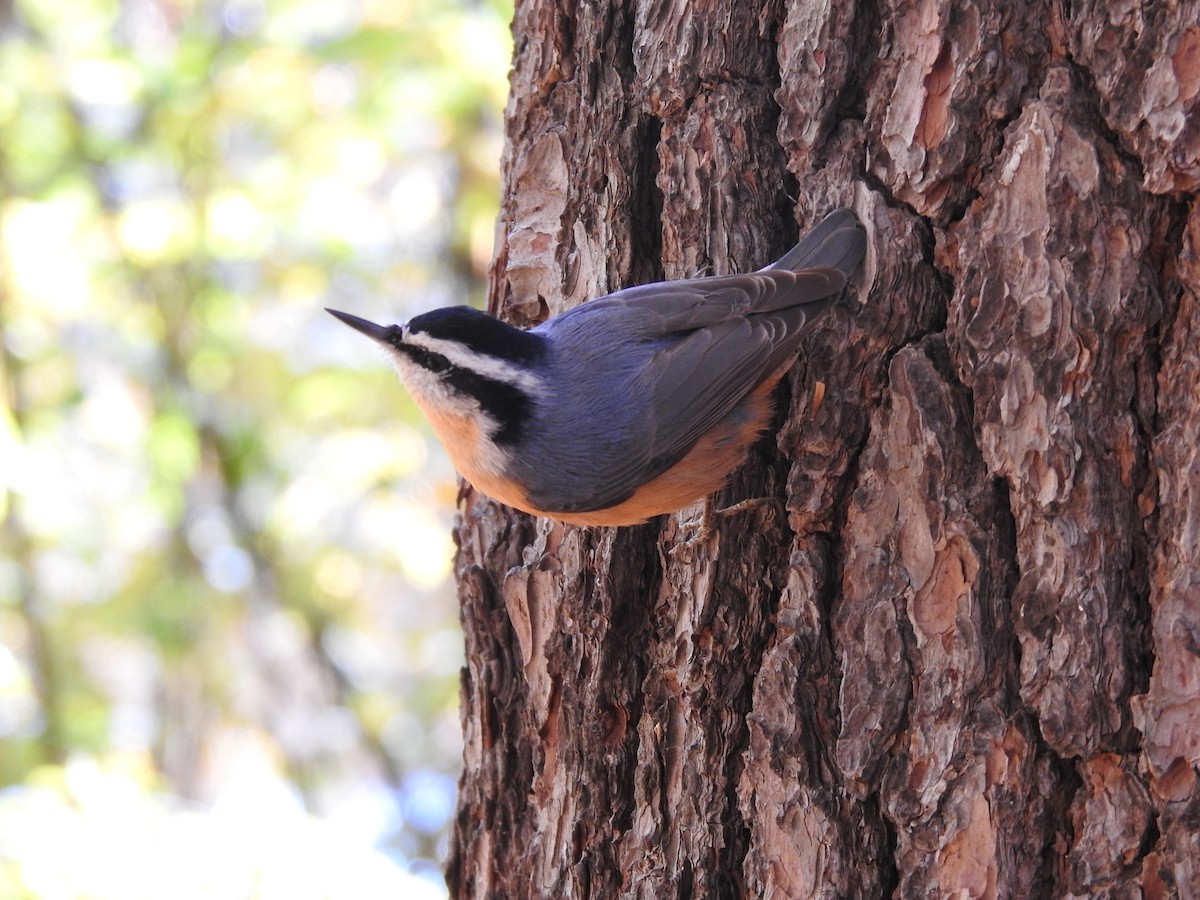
{"type": "Point", "coordinates": [229, 645]}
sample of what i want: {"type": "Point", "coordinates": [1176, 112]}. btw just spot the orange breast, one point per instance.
{"type": "Point", "coordinates": [460, 436]}
{"type": "Point", "coordinates": [701, 472]}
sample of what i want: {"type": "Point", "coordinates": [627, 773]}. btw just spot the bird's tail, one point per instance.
{"type": "Point", "coordinates": [837, 241]}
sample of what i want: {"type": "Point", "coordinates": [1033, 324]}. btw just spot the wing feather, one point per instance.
{"type": "Point", "coordinates": [688, 352]}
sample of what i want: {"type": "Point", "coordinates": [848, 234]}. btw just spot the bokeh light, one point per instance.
{"type": "Point", "coordinates": [228, 636]}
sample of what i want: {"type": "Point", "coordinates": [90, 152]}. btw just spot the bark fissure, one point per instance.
{"type": "Point", "coordinates": [1085, 84]}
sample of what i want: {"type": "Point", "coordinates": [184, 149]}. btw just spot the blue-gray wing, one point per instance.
{"type": "Point", "coordinates": [667, 362]}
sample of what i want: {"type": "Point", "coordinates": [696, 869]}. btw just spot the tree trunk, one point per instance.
{"type": "Point", "coordinates": [960, 654]}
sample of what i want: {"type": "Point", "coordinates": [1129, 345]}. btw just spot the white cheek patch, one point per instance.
{"type": "Point", "coordinates": [487, 366]}
{"type": "Point", "coordinates": [428, 387]}
{"type": "Point", "coordinates": [432, 393]}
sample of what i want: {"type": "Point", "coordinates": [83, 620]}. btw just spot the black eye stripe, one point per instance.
{"type": "Point", "coordinates": [426, 359]}
{"type": "Point", "coordinates": [506, 404]}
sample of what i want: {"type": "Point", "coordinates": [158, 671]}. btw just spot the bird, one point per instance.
{"type": "Point", "coordinates": [629, 406]}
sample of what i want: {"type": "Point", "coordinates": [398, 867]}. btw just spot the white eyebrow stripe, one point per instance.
{"type": "Point", "coordinates": [488, 366]}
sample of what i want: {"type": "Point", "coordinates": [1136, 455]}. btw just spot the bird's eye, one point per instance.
{"type": "Point", "coordinates": [435, 362]}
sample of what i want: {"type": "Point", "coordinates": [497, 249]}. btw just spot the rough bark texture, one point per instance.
{"type": "Point", "coordinates": [961, 654]}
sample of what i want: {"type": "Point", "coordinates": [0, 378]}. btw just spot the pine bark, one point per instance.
{"type": "Point", "coordinates": [960, 655]}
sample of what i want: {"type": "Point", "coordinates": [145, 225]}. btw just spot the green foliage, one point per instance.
{"type": "Point", "coordinates": [219, 512]}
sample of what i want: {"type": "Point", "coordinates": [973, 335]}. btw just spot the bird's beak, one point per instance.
{"type": "Point", "coordinates": [375, 332]}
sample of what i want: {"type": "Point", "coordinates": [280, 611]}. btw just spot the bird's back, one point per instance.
{"type": "Point", "coordinates": [647, 371]}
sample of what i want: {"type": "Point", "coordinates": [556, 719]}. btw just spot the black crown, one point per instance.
{"type": "Point", "coordinates": [480, 333]}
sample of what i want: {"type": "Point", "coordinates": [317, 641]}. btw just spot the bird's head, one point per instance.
{"type": "Point", "coordinates": [462, 362]}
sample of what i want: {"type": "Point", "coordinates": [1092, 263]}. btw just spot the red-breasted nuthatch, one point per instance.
{"type": "Point", "coordinates": [632, 405]}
